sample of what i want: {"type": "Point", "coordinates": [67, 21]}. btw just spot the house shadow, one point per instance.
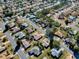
{"type": "Point", "coordinates": [16, 49]}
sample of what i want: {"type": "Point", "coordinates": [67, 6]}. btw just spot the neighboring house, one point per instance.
{"type": "Point", "coordinates": [56, 38]}
{"type": "Point", "coordinates": [43, 24]}
{"type": "Point", "coordinates": [59, 34]}
{"type": "Point", "coordinates": [30, 30]}
{"type": "Point", "coordinates": [23, 26]}
{"type": "Point", "coordinates": [32, 16]}
{"type": "Point", "coordinates": [71, 18]}
{"type": "Point", "coordinates": [25, 43]}
{"type": "Point", "coordinates": [55, 52]}
{"type": "Point", "coordinates": [35, 51]}
{"type": "Point", "coordinates": [61, 16]}
{"type": "Point", "coordinates": [45, 43]}
{"type": "Point", "coordinates": [37, 20]}
{"type": "Point", "coordinates": [37, 37]}
{"type": "Point", "coordinates": [15, 29]}
{"type": "Point", "coordinates": [10, 25]}
{"type": "Point", "coordinates": [19, 35]}
{"type": "Point", "coordinates": [72, 32]}
{"type": "Point", "coordinates": [69, 41]}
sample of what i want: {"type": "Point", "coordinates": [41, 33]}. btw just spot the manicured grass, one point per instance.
{"type": "Point", "coordinates": [64, 55]}
{"type": "Point", "coordinates": [1, 34]}
{"type": "Point", "coordinates": [16, 57]}
{"type": "Point", "coordinates": [9, 49]}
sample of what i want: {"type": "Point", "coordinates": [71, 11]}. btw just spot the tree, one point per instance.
{"type": "Point", "coordinates": [45, 11]}
{"type": "Point", "coordinates": [76, 48]}
{"type": "Point", "coordinates": [39, 15]}
{"type": "Point", "coordinates": [56, 44]}
{"type": "Point", "coordinates": [56, 24]}
{"type": "Point", "coordinates": [8, 13]}
{"type": "Point", "coordinates": [50, 32]}
{"type": "Point", "coordinates": [76, 36]}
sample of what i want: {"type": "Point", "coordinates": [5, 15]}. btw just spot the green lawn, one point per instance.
{"type": "Point", "coordinates": [9, 49]}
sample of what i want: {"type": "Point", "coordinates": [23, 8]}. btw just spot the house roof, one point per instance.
{"type": "Point", "coordinates": [25, 24]}
{"type": "Point", "coordinates": [45, 42]}
{"type": "Point", "coordinates": [37, 37]}
{"type": "Point", "coordinates": [72, 18]}
{"type": "Point", "coordinates": [32, 16]}
{"type": "Point", "coordinates": [30, 30]}
{"type": "Point", "coordinates": [10, 24]}
{"type": "Point", "coordinates": [56, 52]}
{"type": "Point", "coordinates": [20, 34]}
{"type": "Point", "coordinates": [59, 33]}
{"type": "Point", "coordinates": [15, 29]}
{"type": "Point", "coordinates": [25, 43]}
{"type": "Point", "coordinates": [35, 50]}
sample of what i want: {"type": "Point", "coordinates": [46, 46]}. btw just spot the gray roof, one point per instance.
{"type": "Point", "coordinates": [36, 50]}
{"type": "Point", "coordinates": [56, 52]}
{"type": "Point", "coordinates": [25, 24]}
{"type": "Point", "coordinates": [20, 34]}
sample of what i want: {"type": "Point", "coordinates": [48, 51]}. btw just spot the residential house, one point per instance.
{"type": "Point", "coordinates": [37, 20]}
{"type": "Point", "coordinates": [69, 41]}
{"type": "Point", "coordinates": [32, 16]}
{"type": "Point", "coordinates": [55, 52]}
{"type": "Point", "coordinates": [59, 34]}
{"type": "Point", "coordinates": [56, 38]}
{"type": "Point", "coordinates": [23, 26]}
{"type": "Point", "coordinates": [71, 18]}
{"type": "Point", "coordinates": [61, 16]}
{"type": "Point", "coordinates": [25, 43]}
{"type": "Point", "coordinates": [19, 20]}
{"type": "Point", "coordinates": [74, 13]}
{"type": "Point", "coordinates": [10, 25]}
{"type": "Point", "coordinates": [35, 51]}
{"type": "Point", "coordinates": [43, 24]}
{"type": "Point", "coordinates": [19, 35]}
{"type": "Point", "coordinates": [15, 29]}
{"type": "Point", "coordinates": [45, 42]}
{"type": "Point", "coordinates": [37, 37]}
{"type": "Point", "coordinates": [30, 30]}
{"type": "Point", "coordinates": [72, 32]}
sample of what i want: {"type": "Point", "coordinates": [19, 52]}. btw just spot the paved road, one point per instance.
{"type": "Point", "coordinates": [20, 53]}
